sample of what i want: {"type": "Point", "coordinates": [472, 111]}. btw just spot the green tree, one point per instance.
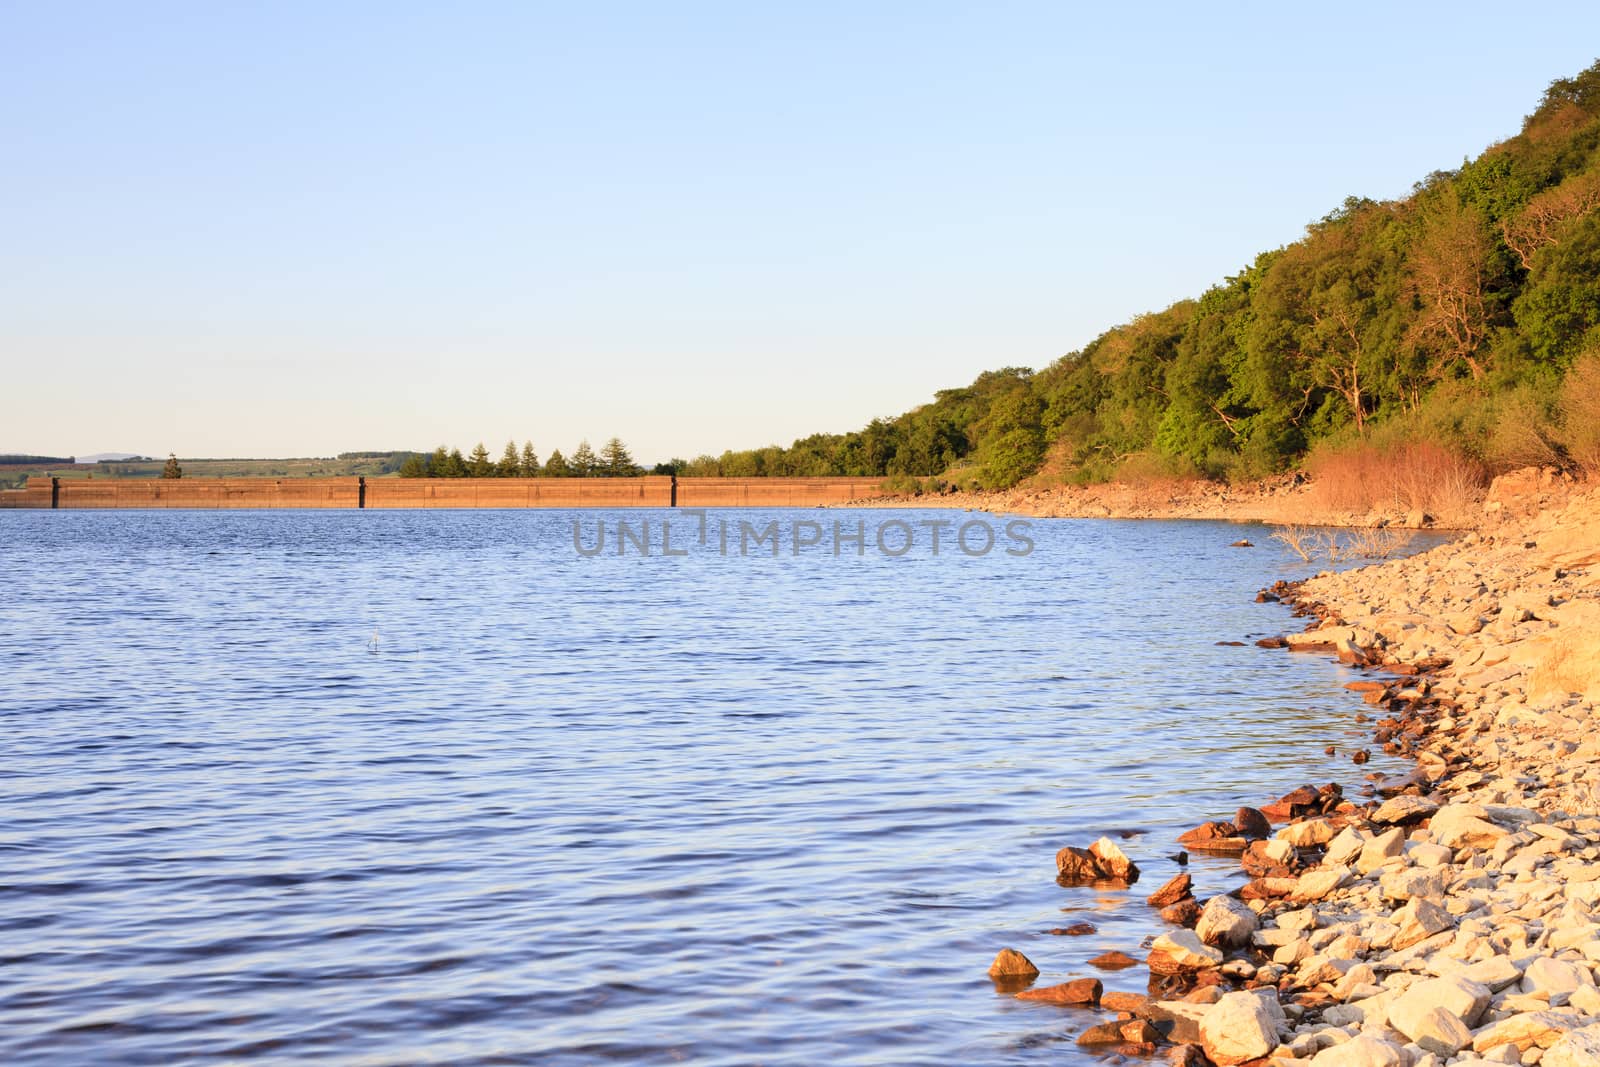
{"type": "Point", "coordinates": [556, 466]}
{"type": "Point", "coordinates": [414, 467]}
{"type": "Point", "coordinates": [615, 461]}
{"type": "Point", "coordinates": [583, 461]}
{"type": "Point", "coordinates": [528, 464]}
{"type": "Point", "coordinates": [479, 465]}
{"type": "Point", "coordinates": [451, 466]}
{"type": "Point", "coordinates": [172, 470]}
{"type": "Point", "coordinates": [510, 465]}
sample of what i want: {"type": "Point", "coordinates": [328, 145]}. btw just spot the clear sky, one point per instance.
{"type": "Point", "coordinates": [303, 228]}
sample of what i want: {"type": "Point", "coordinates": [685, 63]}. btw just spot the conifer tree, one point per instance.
{"type": "Point", "coordinates": [172, 470]}
{"type": "Point", "coordinates": [556, 465]}
{"type": "Point", "coordinates": [479, 465]}
{"type": "Point", "coordinates": [615, 461]}
{"type": "Point", "coordinates": [414, 467]}
{"type": "Point", "coordinates": [509, 464]}
{"type": "Point", "coordinates": [583, 462]}
{"type": "Point", "coordinates": [438, 462]}
{"type": "Point", "coordinates": [528, 467]}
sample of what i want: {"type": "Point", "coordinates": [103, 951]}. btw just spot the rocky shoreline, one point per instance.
{"type": "Point", "coordinates": [1452, 916]}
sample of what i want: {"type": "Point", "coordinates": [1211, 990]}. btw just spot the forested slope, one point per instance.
{"type": "Point", "coordinates": [1454, 316]}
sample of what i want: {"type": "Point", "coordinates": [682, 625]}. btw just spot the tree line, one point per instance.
{"type": "Point", "coordinates": [1456, 315]}
{"type": "Point", "coordinates": [612, 461]}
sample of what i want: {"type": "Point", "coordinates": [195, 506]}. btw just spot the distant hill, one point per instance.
{"type": "Point", "coordinates": [113, 457]}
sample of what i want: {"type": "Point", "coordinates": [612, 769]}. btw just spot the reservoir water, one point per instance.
{"type": "Point", "coordinates": [434, 787]}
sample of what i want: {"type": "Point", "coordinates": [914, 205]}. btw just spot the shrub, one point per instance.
{"type": "Point", "coordinates": [1579, 405]}
{"type": "Point", "coordinates": [1404, 476]}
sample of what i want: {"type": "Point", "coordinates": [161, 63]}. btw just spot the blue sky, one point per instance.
{"type": "Point", "coordinates": [304, 228]}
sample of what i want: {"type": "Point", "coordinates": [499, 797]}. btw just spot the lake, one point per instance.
{"type": "Point", "coordinates": [437, 787]}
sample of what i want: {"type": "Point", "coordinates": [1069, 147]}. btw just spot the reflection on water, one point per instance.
{"type": "Point", "coordinates": [434, 788]}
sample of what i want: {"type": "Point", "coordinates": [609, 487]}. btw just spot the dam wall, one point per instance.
{"type": "Point", "coordinates": [649, 491]}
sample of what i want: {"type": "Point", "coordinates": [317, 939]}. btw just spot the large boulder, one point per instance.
{"type": "Point", "coordinates": [1225, 921]}
{"type": "Point", "coordinates": [1239, 1027]}
{"type": "Point", "coordinates": [1580, 1048]}
{"type": "Point", "coordinates": [1362, 1051]}
{"type": "Point", "coordinates": [1464, 826]}
{"type": "Point", "coordinates": [1460, 997]}
{"type": "Point", "coordinates": [1182, 952]}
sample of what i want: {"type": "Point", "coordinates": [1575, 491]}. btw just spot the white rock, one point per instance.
{"type": "Point", "coordinates": [1441, 1033]}
{"type": "Point", "coordinates": [1580, 1048]}
{"type": "Point", "coordinates": [1307, 833]}
{"type": "Point", "coordinates": [1419, 920]}
{"type": "Point", "coordinates": [1318, 883]}
{"type": "Point", "coordinates": [1461, 997]}
{"type": "Point", "coordinates": [1464, 826]}
{"type": "Point", "coordinates": [1533, 1029]}
{"type": "Point", "coordinates": [1546, 975]}
{"type": "Point", "coordinates": [1226, 921]}
{"type": "Point", "coordinates": [1496, 972]}
{"type": "Point", "coordinates": [1381, 849]}
{"type": "Point", "coordinates": [1401, 808]}
{"type": "Point", "coordinates": [1186, 949]}
{"type": "Point", "coordinates": [1362, 1051]}
{"type": "Point", "coordinates": [1237, 1028]}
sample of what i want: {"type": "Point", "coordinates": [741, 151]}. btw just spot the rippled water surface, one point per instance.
{"type": "Point", "coordinates": [423, 787]}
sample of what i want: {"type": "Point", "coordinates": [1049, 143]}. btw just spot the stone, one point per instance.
{"type": "Point", "coordinates": [1078, 991]}
{"type": "Point", "coordinates": [1226, 922]}
{"type": "Point", "coordinates": [1546, 975]}
{"type": "Point", "coordinates": [1101, 862]}
{"type": "Point", "coordinates": [1239, 1027]}
{"type": "Point", "coordinates": [1181, 952]}
{"type": "Point", "coordinates": [1183, 913]}
{"type": "Point", "coordinates": [1419, 920]}
{"type": "Point", "coordinates": [1464, 826]}
{"type": "Point", "coordinates": [1316, 884]}
{"type": "Point", "coordinates": [1532, 1029]}
{"type": "Point", "coordinates": [1114, 861]}
{"type": "Point", "coordinates": [1344, 848]}
{"type": "Point", "coordinates": [1113, 961]}
{"type": "Point", "coordinates": [1381, 849]}
{"type": "Point", "coordinates": [1308, 834]}
{"type": "Point", "coordinates": [1496, 972]}
{"type": "Point", "coordinates": [1404, 809]}
{"type": "Point", "coordinates": [1580, 1048]}
{"type": "Point", "coordinates": [1250, 822]}
{"type": "Point", "coordinates": [1363, 1050]}
{"type": "Point", "coordinates": [1441, 1033]}
{"type": "Point", "coordinates": [1179, 887]}
{"type": "Point", "coordinates": [1012, 964]}
{"type": "Point", "coordinates": [1461, 997]}
{"type": "Point", "coordinates": [1102, 1034]}
{"type": "Point", "coordinates": [1187, 1055]}
{"type": "Point", "coordinates": [1132, 1003]}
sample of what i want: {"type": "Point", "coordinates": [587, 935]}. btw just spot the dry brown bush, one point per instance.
{"type": "Point", "coordinates": [1410, 475]}
{"type": "Point", "coordinates": [1580, 413]}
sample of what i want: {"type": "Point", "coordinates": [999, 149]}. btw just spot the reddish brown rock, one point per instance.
{"type": "Point", "coordinates": [1140, 1032]}
{"type": "Point", "coordinates": [1113, 961]}
{"type": "Point", "coordinates": [1251, 823]}
{"type": "Point", "coordinates": [1364, 686]}
{"type": "Point", "coordinates": [1180, 887]}
{"type": "Point", "coordinates": [1102, 1034]}
{"type": "Point", "coordinates": [1132, 1003]}
{"type": "Point", "coordinates": [1078, 991]}
{"type": "Point", "coordinates": [1188, 1055]}
{"type": "Point", "coordinates": [1010, 963]}
{"type": "Point", "coordinates": [1268, 888]}
{"type": "Point", "coordinates": [1272, 642]}
{"type": "Point", "coordinates": [1075, 930]}
{"type": "Point", "coordinates": [1183, 913]}
{"type": "Point", "coordinates": [1101, 862]}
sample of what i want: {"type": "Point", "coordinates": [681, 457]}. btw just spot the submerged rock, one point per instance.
{"type": "Point", "coordinates": [1078, 991]}
{"type": "Point", "coordinates": [1010, 963]}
